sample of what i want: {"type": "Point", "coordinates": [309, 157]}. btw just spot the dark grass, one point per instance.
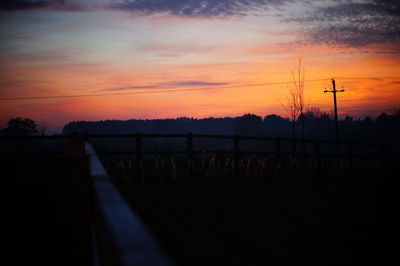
{"type": "Point", "coordinates": [329, 219]}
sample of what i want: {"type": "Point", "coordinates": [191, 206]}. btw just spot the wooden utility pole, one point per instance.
{"type": "Point", "coordinates": [334, 91]}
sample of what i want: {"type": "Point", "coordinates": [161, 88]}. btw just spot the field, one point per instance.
{"type": "Point", "coordinates": [329, 218]}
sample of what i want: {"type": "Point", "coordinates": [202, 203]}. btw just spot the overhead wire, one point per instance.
{"type": "Point", "coordinates": [173, 90]}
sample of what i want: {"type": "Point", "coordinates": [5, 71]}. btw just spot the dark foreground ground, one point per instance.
{"type": "Point", "coordinates": [343, 219]}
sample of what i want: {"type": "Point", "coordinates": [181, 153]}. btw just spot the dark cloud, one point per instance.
{"type": "Point", "coordinates": [205, 8]}
{"type": "Point", "coordinates": [131, 88]}
{"type": "Point", "coordinates": [201, 8]}
{"type": "Point", "coordinates": [63, 5]}
{"type": "Point", "coordinates": [190, 83]}
{"type": "Point", "coordinates": [15, 5]}
{"type": "Point", "coordinates": [354, 24]}
{"type": "Point", "coordinates": [198, 83]}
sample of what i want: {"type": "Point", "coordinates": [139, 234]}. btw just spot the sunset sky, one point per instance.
{"type": "Point", "coordinates": [172, 58]}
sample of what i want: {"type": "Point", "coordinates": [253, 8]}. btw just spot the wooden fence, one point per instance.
{"type": "Point", "coordinates": [348, 150]}
{"type": "Point", "coordinates": [241, 154]}
{"type": "Point", "coordinates": [105, 196]}
{"type": "Point", "coordinates": [308, 147]}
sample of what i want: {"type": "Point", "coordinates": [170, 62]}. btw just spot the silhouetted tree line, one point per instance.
{"type": "Point", "coordinates": [317, 125]}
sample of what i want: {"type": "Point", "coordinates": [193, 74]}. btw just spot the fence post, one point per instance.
{"type": "Point", "coordinates": [73, 205]}
{"type": "Point", "coordinates": [294, 148]}
{"type": "Point", "coordinates": [76, 144]}
{"type": "Point", "coordinates": [382, 153]}
{"type": "Point", "coordinates": [350, 154]}
{"type": "Point", "coordinates": [190, 153]}
{"type": "Point", "coordinates": [278, 149]}
{"type": "Point", "coordinates": [139, 155]}
{"type": "Point", "coordinates": [236, 152]}
{"type": "Point", "coordinates": [317, 152]}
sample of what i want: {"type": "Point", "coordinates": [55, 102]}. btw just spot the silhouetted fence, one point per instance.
{"type": "Point", "coordinates": [240, 145]}
{"type": "Point", "coordinates": [346, 148]}
{"type": "Point", "coordinates": [133, 152]}
{"type": "Point", "coordinates": [120, 238]}
{"type": "Point", "coordinates": [130, 154]}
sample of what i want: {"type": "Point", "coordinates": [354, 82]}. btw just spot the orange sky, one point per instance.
{"type": "Point", "coordinates": [211, 64]}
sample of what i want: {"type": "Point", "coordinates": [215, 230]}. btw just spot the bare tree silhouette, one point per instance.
{"type": "Point", "coordinates": [295, 105]}
{"type": "Point", "coordinates": [298, 76]}
{"type": "Point", "coordinates": [291, 108]}
{"type": "Point", "coordinates": [42, 128]}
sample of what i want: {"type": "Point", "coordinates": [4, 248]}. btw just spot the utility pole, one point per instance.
{"type": "Point", "coordinates": [334, 91]}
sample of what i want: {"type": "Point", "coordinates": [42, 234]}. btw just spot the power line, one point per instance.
{"type": "Point", "coordinates": [146, 92]}
{"type": "Point", "coordinates": [152, 91]}
{"type": "Point", "coordinates": [98, 94]}
{"type": "Point", "coordinates": [388, 77]}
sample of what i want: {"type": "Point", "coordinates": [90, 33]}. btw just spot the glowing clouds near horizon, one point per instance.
{"type": "Point", "coordinates": [208, 55]}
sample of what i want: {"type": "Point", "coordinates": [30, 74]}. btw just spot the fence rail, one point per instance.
{"type": "Point", "coordinates": [277, 151]}
{"type": "Point", "coordinates": [380, 150]}
{"type": "Point", "coordinates": [207, 136]}
{"type": "Point", "coordinates": [90, 223]}
{"type": "Point", "coordinates": [121, 238]}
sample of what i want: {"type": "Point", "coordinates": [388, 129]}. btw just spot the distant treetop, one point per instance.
{"type": "Point", "coordinates": [20, 127]}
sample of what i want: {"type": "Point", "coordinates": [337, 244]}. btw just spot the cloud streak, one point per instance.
{"type": "Point", "coordinates": [195, 8]}
{"type": "Point", "coordinates": [175, 84]}
{"type": "Point", "coordinates": [354, 24]}
{"type": "Point", "coordinates": [206, 8]}
{"type": "Point", "coordinates": [15, 5]}
{"type": "Point", "coordinates": [63, 5]}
